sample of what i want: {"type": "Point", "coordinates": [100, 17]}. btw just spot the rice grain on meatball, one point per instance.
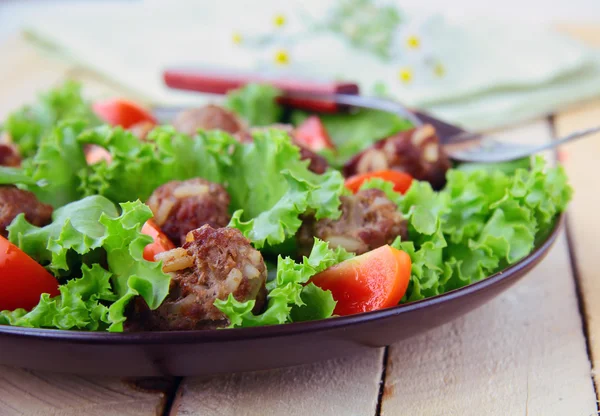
{"type": "Point", "coordinates": [369, 220]}
{"type": "Point", "coordinates": [212, 264]}
{"type": "Point", "coordinates": [182, 206]}
{"type": "Point", "coordinates": [417, 152]}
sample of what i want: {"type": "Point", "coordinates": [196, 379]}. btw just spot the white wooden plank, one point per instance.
{"type": "Point", "coordinates": [31, 393]}
{"type": "Point", "coordinates": [348, 386]}
{"type": "Point", "coordinates": [522, 353]}
{"type": "Point", "coordinates": [581, 163]}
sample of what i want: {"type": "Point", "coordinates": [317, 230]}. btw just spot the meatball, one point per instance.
{"type": "Point", "coordinates": [211, 265]}
{"type": "Point", "coordinates": [9, 155]}
{"type": "Point", "coordinates": [317, 164]}
{"type": "Point", "coordinates": [14, 201]}
{"type": "Point", "coordinates": [417, 152]}
{"type": "Point", "coordinates": [209, 117]}
{"type": "Point", "coordinates": [369, 220]}
{"type": "Point", "coordinates": [182, 206]}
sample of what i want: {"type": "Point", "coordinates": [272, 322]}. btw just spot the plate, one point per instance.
{"type": "Point", "coordinates": [193, 353]}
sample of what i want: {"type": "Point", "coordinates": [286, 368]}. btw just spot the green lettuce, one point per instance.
{"type": "Point", "coordinates": [97, 299]}
{"type": "Point", "coordinates": [53, 173]}
{"type": "Point", "coordinates": [354, 132]}
{"type": "Point", "coordinates": [480, 223]}
{"type": "Point", "coordinates": [255, 103]}
{"type": "Point", "coordinates": [28, 125]}
{"type": "Point", "coordinates": [269, 185]}
{"type": "Point", "coordinates": [139, 167]}
{"type": "Point", "coordinates": [290, 299]}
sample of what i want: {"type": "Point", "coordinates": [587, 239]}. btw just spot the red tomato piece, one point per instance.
{"type": "Point", "coordinates": [161, 241]}
{"type": "Point", "coordinates": [119, 112]}
{"type": "Point", "coordinates": [401, 180]}
{"type": "Point", "coordinates": [23, 279]}
{"type": "Point", "coordinates": [374, 280]}
{"type": "Point", "coordinates": [313, 135]}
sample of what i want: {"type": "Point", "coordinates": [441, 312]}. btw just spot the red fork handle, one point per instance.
{"type": "Point", "coordinates": [221, 82]}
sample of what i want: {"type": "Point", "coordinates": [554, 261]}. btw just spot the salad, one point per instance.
{"type": "Point", "coordinates": [245, 214]}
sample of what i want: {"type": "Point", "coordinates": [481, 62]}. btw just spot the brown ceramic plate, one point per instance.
{"type": "Point", "coordinates": [187, 353]}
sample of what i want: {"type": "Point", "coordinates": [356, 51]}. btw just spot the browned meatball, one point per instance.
{"type": "Point", "coordinates": [369, 220]}
{"type": "Point", "coordinates": [209, 117]}
{"type": "Point", "coordinates": [14, 201]}
{"type": "Point", "coordinates": [182, 206]}
{"type": "Point", "coordinates": [211, 265]}
{"type": "Point", "coordinates": [9, 155]}
{"type": "Point", "coordinates": [317, 164]}
{"type": "Point", "coordinates": [417, 152]}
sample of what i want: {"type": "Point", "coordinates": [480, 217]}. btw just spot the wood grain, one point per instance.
{"type": "Point", "coordinates": [524, 353]}
{"type": "Point", "coordinates": [337, 387]}
{"type": "Point", "coordinates": [32, 393]}
{"type": "Point", "coordinates": [29, 393]}
{"type": "Point", "coordinates": [581, 163]}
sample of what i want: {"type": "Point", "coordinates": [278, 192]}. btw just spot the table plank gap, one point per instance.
{"type": "Point", "coordinates": [555, 133]}
{"type": "Point", "coordinates": [580, 162]}
{"type": "Point", "coordinates": [384, 362]}
{"type": "Point", "coordinates": [522, 353]}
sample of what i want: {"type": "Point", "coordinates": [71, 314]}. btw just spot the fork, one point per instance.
{"type": "Point", "coordinates": [459, 145]}
{"type": "Point", "coordinates": [478, 147]}
{"type": "Point", "coordinates": [466, 146]}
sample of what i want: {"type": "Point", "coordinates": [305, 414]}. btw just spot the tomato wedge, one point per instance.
{"type": "Point", "coordinates": [23, 280]}
{"type": "Point", "coordinates": [120, 112]}
{"type": "Point", "coordinates": [161, 241]}
{"type": "Point", "coordinates": [401, 180]}
{"type": "Point", "coordinates": [374, 280]}
{"type": "Point", "coordinates": [313, 135]}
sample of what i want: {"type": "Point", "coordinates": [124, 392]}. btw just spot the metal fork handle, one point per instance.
{"type": "Point", "coordinates": [476, 147]}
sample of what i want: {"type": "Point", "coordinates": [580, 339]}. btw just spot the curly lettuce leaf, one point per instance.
{"type": "Point", "coordinates": [481, 222]}
{"type": "Point", "coordinates": [269, 185]}
{"type": "Point", "coordinates": [255, 103]}
{"type": "Point", "coordinates": [53, 173]}
{"type": "Point", "coordinates": [289, 298]}
{"type": "Point", "coordinates": [132, 275]}
{"type": "Point", "coordinates": [268, 200]}
{"type": "Point", "coordinates": [139, 167]}
{"type": "Point", "coordinates": [74, 227]}
{"type": "Point", "coordinates": [81, 305]}
{"type": "Point", "coordinates": [89, 302]}
{"type": "Point", "coordinates": [28, 125]}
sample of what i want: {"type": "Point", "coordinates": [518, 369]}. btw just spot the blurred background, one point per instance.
{"type": "Point", "coordinates": [482, 65]}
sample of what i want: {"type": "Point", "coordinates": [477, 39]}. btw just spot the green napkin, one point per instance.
{"type": "Point", "coordinates": [476, 72]}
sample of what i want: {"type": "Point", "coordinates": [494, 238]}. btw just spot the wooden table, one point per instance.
{"type": "Point", "coordinates": [530, 351]}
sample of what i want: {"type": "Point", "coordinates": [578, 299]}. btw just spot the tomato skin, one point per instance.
{"type": "Point", "coordinates": [161, 241]}
{"type": "Point", "coordinates": [401, 180]}
{"type": "Point", "coordinates": [120, 112]}
{"type": "Point", "coordinates": [22, 279]}
{"type": "Point", "coordinates": [311, 133]}
{"type": "Point", "coordinates": [374, 280]}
